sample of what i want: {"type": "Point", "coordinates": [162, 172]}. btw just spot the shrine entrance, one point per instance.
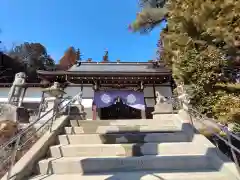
{"type": "Point", "coordinates": [119, 104]}
{"type": "Point", "coordinates": [119, 110]}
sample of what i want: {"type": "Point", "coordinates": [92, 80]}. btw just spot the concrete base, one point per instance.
{"type": "Point", "coordinates": [146, 175]}
{"type": "Point", "coordinates": [163, 117]}
{"type": "Point", "coordinates": [164, 108]}
{"type": "Point", "coordinates": [123, 138]}
{"type": "Point", "coordinates": [14, 113]}
{"type": "Point", "coordinates": [123, 129]}
{"type": "Point", "coordinates": [89, 113]}
{"type": "Point", "coordinates": [69, 165]}
{"type": "Point", "coordinates": [168, 121]}
{"type": "Point", "coordinates": [126, 150]}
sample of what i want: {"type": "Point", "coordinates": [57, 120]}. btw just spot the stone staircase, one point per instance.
{"type": "Point", "coordinates": [132, 150]}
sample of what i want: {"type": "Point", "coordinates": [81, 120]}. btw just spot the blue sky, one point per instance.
{"type": "Point", "coordinates": [91, 26]}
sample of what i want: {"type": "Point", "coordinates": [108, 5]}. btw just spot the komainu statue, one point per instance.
{"type": "Point", "coordinates": [55, 90]}
{"type": "Point", "coordinates": [16, 89]}
{"type": "Point", "coordinates": [182, 94]}
{"type": "Point", "coordinates": [160, 98]}
{"type": "Point", "coordinates": [162, 106]}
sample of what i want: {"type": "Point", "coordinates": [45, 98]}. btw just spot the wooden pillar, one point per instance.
{"type": "Point", "coordinates": [154, 93]}
{"type": "Point", "coordinates": [143, 114]}
{"type": "Point", "coordinates": [94, 108]}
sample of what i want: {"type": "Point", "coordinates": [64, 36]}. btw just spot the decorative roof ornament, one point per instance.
{"type": "Point", "coordinates": [89, 60]}
{"type": "Point", "coordinates": [78, 57]}
{"type": "Point", "coordinates": [95, 85]}
{"type": "Point", "coordinates": [141, 85]}
{"type": "Point", "coordinates": [105, 57]}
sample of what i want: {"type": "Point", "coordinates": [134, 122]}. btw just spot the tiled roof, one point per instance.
{"type": "Point", "coordinates": [118, 67]}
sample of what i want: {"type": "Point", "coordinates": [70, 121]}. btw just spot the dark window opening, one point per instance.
{"type": "Point", "coordinates": [148, 112]}
{"type": "Point", "coordinates": [119, 110]}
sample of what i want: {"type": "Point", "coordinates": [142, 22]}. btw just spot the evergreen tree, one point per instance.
{"type": "Point", "coordinates": [34, 57]}
{"type": "Point", "coordinates": [202, 46]}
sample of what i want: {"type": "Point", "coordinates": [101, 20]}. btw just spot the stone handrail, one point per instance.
{"type": "Point", "coordinates": [27, 137]}
{"type": "Point", "coordinates": [212, 124]}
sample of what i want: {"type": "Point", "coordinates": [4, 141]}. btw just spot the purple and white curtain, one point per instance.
{"type": "Point", "coordinates": [131, 98]}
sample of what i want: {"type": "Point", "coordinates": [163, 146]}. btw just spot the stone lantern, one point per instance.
{"type": "Point", "coordinates": [55, 94]}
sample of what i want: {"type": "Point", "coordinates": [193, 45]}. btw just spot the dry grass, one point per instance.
{"type": "Point", "coordinates": [26, 142]}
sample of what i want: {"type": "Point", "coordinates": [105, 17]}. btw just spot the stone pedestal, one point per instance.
{"type": "Point", "coordinates": [89, 113]}
{"type": "Point", "coordinates": [160, 111]}
{"type": "Point", "coordinates": [185, 116]}
{"type": "Point", "coordinates": [98, 114]}
{"type": "Point", "coordinates": [14, 113]}
{"type": "Point", "coordinates": [76, 111]}
{"type": "Point", "coordinates": [143, 114]}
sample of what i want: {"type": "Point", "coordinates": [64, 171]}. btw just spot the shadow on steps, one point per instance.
{"type": "Point", "coordinates": [145, 169]}
{"type": "Point", "coordinates": [212, 161]}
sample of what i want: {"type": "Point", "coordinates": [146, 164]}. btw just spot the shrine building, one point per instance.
{"type": "Point", "coordinates": [115, 90]}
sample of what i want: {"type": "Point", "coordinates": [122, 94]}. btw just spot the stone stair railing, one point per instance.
{"type": "Point", "coordinates": [201, 123]}
{"type": "Point", "coordinates": [12, 150]}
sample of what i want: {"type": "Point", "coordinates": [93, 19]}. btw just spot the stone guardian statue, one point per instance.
{"type": "Point", "coordinates": [160, 98]}
{"type": "Point", "coordinates": [162, 104]}
{"type": "Point", "coordinates": [16, 89]}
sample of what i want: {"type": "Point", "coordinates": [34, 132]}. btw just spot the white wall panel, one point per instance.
{"type": "Point", "coordinates": [34, 95]}
{"type": "Point", "coordinates": [31, 92]}
{"type": "Point", "coordinates": [34, 92]}
{"type": "Point", "coordinates": [72, 91]}
{"type": "Point", "coordinates": [150, 102]}
{"type": "Point", "coordinates": [167, 83]}
{"type": "Point", "coordinates": [4, 92]}
{"type": "Point", "coordinates": [30, 100]}
{"type": "Point", "coordinates": [164, 90]}
{"type": "Point", "coordinates": [87, 103]}
{"type": "Point", "coordinates": [148, 91]}
{"type": "Point", "coordinates": [88, 92]}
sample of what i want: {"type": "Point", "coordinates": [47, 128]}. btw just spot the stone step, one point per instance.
{"type": "Point", "coordinates": [146, 175]}
{"type": "Point", "coordinates": [100, 150]}
{"type": "Point", "coordinates": [92, 128]}
{"type": "Point", "coordinates": [68, 165]}
{"type": "Point", "coordinates": [123, 122]}
{"type": "Point", "coordinates": [122, 138]}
